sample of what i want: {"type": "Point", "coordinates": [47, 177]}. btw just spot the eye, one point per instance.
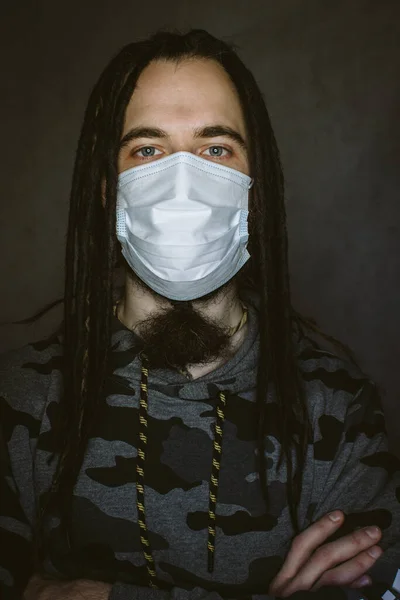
{"type": "Point", "coordinates": [147, 152]}
{"type": "Point", "coordinates": [218, 151]}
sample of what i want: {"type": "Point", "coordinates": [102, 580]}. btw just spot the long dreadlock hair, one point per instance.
{"type": "Point", "coordinates": [92, 251]}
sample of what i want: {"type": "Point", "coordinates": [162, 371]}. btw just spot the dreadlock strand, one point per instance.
{"type": "Point", "coordinates": [262, 385]}
{"type": "Point", "coordinates": [94, 285]}
{"type": "Point", "coordinates": [278, 294]}
{"type": "Point", "coordinates": [271, 264]}
{"type": "Point", "coordinates": [273, 334]}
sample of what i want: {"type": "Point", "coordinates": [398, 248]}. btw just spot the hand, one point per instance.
{"type": "Point", "coordinates": [311, 564]}
{"type": "Point", "coordinates": [79, 589]}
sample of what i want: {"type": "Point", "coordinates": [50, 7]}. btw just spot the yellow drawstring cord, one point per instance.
{"type": "Point", "coordinates": [215, 469]}
{"type": "Point", "coordinates": [141, 457]}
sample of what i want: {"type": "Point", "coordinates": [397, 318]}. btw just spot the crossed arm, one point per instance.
{"type": "Point", "coordinates": [310, 565]}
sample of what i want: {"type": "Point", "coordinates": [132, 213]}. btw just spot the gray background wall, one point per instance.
{"type": "Point", "coordinates": [330, 72]}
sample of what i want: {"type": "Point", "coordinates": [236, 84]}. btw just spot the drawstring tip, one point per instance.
{"type": "Point", "coordinates": [210, 566]}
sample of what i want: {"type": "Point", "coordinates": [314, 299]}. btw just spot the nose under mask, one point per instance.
{"type": "Point", "coordinates": [182, 222]}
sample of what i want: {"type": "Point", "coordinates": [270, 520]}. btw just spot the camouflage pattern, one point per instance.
{"type": "Point", "coordinates": [348, 468]}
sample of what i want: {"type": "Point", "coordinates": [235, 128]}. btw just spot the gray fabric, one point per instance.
{"type": "Point", "coordinates": [348, 467]}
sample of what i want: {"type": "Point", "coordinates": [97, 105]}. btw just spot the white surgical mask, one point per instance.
{"type": "Point", "coordinates": [182, 224]}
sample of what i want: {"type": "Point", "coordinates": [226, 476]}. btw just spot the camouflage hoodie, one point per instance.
{"type": "Point", "coordinates": [161, 442]}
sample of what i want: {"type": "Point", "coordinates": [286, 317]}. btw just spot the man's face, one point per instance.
{"type": "Point", "coordinates": [191, 106]}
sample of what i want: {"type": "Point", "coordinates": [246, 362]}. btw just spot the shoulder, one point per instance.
{"type": "Point", "coordinates": [335, 384]}
{"type": "Point", "coordinates": [27, 376]}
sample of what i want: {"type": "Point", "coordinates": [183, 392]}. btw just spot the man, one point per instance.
{"type": "Point", "coordinates": [141, 446]}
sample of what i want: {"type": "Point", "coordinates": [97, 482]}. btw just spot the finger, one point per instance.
{"type": "Point", "coordinates": [352, 572]}
{"type": "Point", "coordinates": [361, 582]}
{"type": "Point", "coordinates": [318, 569]}
{"type": "Point", "coordinates": [304, 544]}
{"type": "Point", "coordinates": [34, 587]}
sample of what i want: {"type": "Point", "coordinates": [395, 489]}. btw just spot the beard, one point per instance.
{"type": "Point", "coordinates": [179, 335]}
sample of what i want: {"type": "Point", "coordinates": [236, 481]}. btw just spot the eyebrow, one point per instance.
{"type": "Point", "coordinates": [209, 131]}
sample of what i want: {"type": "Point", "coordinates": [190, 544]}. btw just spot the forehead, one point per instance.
{"type": "Point", "coordinates": [198, 90]}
